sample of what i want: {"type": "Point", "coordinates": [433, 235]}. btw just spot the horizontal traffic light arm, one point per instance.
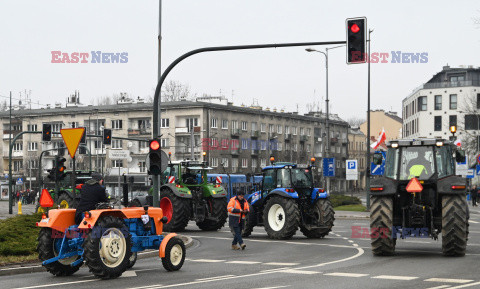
{"type": "Point", "coordinates": [113, 137]}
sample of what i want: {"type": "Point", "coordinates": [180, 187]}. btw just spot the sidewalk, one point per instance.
{"type": "Point", "coordinates": [26, 209]}
{"type": "Point", "coordinates": [348, 215]}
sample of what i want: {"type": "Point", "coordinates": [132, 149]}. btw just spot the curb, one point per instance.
{"type": "Point", "coordinates": [36, 267]}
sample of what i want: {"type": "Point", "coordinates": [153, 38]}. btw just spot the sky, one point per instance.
{"type": "Point", "coordinates": [282, 78]}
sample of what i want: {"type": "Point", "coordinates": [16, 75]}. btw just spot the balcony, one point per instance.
{"type": "Point", "coordinates": [15, 154]}
{"type": "Point", "coordinates": [451, 84]}
{"type": "Point", "coordinates": [142, 131]}
{"type": "Point", "coordinates": [185, 130]}
{"type": "Point", "coordinates": [344, 142]}
{"type": "Point", "coordinates": [255, 133]}
{"type": "Point", "coordinates": [236, 132]}
{"type": "Point", "coordinates": [288, 136]}
{"type": "Point", "coordinates": [7, 136]}
{"type": "Point", "coordinates": [304, 138]}
{"type": "Point", "coordinates": [235, 152]}
{"type": "Point", "coordinates": [255, 152]}
{"type": "Point", "coordinates": [333, 140]}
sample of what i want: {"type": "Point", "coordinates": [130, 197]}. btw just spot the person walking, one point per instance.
{"type": "Point", "coordinates": [237, 210]}
{"type": "Point", "coordinates": [473, 195]}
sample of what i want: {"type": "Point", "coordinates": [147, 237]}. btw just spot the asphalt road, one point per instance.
{"type": "Point", "coordinates": [338, 261]}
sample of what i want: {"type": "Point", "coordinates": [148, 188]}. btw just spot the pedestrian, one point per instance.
{"type": "Point", "coordinates": [237, 210]}
{"type": "Point", "coordinates": [473, 195]}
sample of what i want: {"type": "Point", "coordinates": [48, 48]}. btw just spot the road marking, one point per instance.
{"type": "Point", "coordinates": [466, 285]}
{"type": "Point", "coordinates": [392, 277]}
{"type": "Point", "coordinates": [275, 270]}
{"type": "Point", "coordinates": [475, 222]}
{"type": "Point", "coordinates": [439, 287]}
{"type": "Point", "coordinates": [213, 278]}
{"type": "Point", "coordinates": [419, 242]}
{"type": "Point", "coordinates": [355, 245]}
{"type": "Point", "coordinates": [243, 262]}
{"type": "Point", "coordinates": [280, 264]}
{"type": "Point", "coordinates": [57, 284]}
{"type": "Point", "coordinates": [206, 260]}
{"type": "Point", "coordinates": [445, 280]}
{"type": "Point", "coordinates": [340, 274]}
{"type": "Point", "coordinates": [350, 241]}
{"type": "Point", "coordinates": [293, 271]}
{"type": "Point", "coordinates": [345, 238]}
{"type": "Point", "coordinates": [128, 274]}
{"type": "Point", "coordinates": [273, 287]}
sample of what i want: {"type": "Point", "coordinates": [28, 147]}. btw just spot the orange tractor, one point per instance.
{"type": "Point", "coordinates": [107, 240]}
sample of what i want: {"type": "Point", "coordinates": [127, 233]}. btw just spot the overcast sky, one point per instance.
{"type": "Point", "coordinates": [281, 78]}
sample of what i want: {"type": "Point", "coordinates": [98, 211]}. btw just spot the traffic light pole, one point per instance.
{"type": "Point", "coordinates": [157, 100]}
{"type": "Point", "coordinates": [367, 172]}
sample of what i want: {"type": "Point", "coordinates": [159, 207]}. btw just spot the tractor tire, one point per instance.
{"type": "Point", "coordinates": [218, 209]}
{"type": "Point", "coordinates": [381, 224]}
{"type": "Point", "coordinates": [132, 260]}
{"type": "Point", "coordinates": [46, 250]}
{"type": "Point", "coordinates": [250, 222]}
{"type": "Point", "coordinates": [454, 225]}
{"type": "Point", "coordinates": [108, 248]}
{"type": "Point", "coordinates": [326, 214]}
{"type": "Point", "coordinates": [174, 254]}
{"type": "Point", "coordinates": [281, 217]}
{"type": "Point", "coordinates": [66, 202]}
{"type": "Point", "coordinates": [176, 209]}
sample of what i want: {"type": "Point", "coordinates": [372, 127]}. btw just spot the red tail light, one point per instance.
{"type": "Point", "coordinates": [179, 186]}
{"type": "Point", "coordinates": [458, 187]}
{"type": "Point", "coordinates": [321, 190]}
{"type": "Point", "coordinates": [376, 189]}
{"type": "Point", "coordinates": [217, 186]}
{"type": "Point", "coordinates": [290, 190]}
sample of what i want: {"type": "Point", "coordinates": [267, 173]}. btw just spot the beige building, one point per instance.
{"type": "Point", "coordinates": [380, 119]}
{"type": "Point", "coordinates": [356, 151]}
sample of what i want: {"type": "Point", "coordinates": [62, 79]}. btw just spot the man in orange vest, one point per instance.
{"type": "Point", "coordinates": [237, 209]}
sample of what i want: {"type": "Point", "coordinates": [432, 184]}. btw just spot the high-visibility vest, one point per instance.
{"type": "Point", "coordinates": [234, 208]}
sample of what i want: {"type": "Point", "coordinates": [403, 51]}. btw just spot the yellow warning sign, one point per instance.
{"type": "Point", "coordinates": [72, 138]}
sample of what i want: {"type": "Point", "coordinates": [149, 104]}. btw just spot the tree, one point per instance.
{"type": "Point", "coordinates": [470, 125]}
{"type": "Point", "coordinates": [355, 121]}
{"type": "Point", "coordinates": [175, 91]}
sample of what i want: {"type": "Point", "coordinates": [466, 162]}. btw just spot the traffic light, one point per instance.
{"type": "Point", "coordinates": [155, 157]}
{"type": "Point", "coordinates": [47, 132]}
{"type": "Point", "coordinates": [356, 40]}
{"type": "Point", "coordinates": [60, 169]}
{"type": "Point", "coordinates": [51, 174]}
{"type": "Point", "coordinates": [107, 136]}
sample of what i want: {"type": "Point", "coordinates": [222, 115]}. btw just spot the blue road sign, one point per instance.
{"type": "Point", "coordinates": [19, 181]}
{"type": "Point", "coordinates": [478, 170]}
{"type": "Point", "coordinates": [329, 167]}
{"type": "Point", "coordinates": [470, 174]}
{"type": "Point", "coordinates": [351, 165]}
{"type": "Point", "coordinates": [377, 170]}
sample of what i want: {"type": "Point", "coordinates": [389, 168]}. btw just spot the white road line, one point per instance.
{"type": "Point", "coordinates": [475, 222]}
{"type": "Point", "coordinates": [280, 264]}
{"type": "Point", "coordinates": [340, 274]}
{"type": "Point", "coordinates": [344, 238]}
{"type": "Point", "coordinates": [275, 270]}
{"type": "Point", "coordinates": [213, 278]}
{"type": "Point", "coordinates": [350, 241]}
{"type": "Point", "coordinates": [243, 262]}
{"type": "Point", "coordinates": [446, 280]}
{"type": "Point", "coordinates": [57, 284]}
{"type": "Point", "coordinates": [293, 271]}
{"type": "Point", "coordinates": [439, 287]}
{"type": "Point", "coordinates": [419, 242]}
{"type": "Point", "coordinates": [273, 287]}
{"type": "Point", "coordinates": [128, 274]}
{"type": "Point", "coordinates": [206, 260]}
{"type": "Point", "coordinates": [355, 245]}
{"type": "Point", "coordinates": [392, 277]}
{"type": "Point", "coordinates": [465, 285]}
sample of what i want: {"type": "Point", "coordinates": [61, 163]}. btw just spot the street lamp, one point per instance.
{"type": "Point", "coordinates": [327, 145]}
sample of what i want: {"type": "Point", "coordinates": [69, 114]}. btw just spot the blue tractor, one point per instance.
{"type": "Point", "coordinates": [287, 200]}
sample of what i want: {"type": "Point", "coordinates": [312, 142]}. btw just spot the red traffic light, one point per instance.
{"type": "Point", "coordinates": [354, 28]}
{"type": "Point", "coordinates": [154, 145]}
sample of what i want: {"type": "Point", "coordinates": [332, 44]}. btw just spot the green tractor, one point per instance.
{"type": "Point", "coordinates": [185, 194]}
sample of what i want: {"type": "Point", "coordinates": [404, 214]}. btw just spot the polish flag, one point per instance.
{"type": "Point", "coordinates": [381, 139]}
{"type": "Point", "coordinates": [458, 142]}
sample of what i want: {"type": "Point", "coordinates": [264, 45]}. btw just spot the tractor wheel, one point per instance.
{"type": "Point", "coordinates": [454, 225]}
{"type": "Point", "coordinates": [39, 209]}
{"type": "Point", "coordinates": [132, 260]}
{"type": "Point", "coordinates": [218, 210]}
{"type": "Point", "coordinates": [326, 215]}
{"type": "Point", "coordinates": [176, 209]}
{"type": "Point", "coordinates": [66, 202]}
{"type": "Point", "coordinates": [281, 217]}
{"type": "Point", "coordinates": [108, 247]}
{"type": "Point", "coordinates": [381, 224]}
{"type": "Point", "coordinates": [174, 255]}
{"type": "Point", "coordinates": [47, 248]}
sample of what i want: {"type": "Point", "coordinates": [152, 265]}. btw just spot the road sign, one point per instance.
{"type": "Point", "coordinates": [414, 186]}
{"type": "Point", "coordinates": [351, 170]}
{"type": "Point", "coordinates": [72, 138]}
{"type": "Point", "coordinates": [461, 168]}
{"type": "Point", "coordinates": [118, 154]}
{"type": "Point", "coordinates": [377, 170]}
{"type": "Point", "coordinates": [19, 181]}
{"type": "Point", "coordinates": [470, 173]}
{"type": "Point", "coordinates": [478, 170]}
{"type": "Point", "coordinates": [478, 158]}
{"type": "Point", "coordinates": [329, 167]}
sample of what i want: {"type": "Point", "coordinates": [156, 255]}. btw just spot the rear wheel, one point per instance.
{"type": "Point", "coordinates": [174, 255]}
{"type": "Point", "coordinates": [325, 215]}
{"type": "Point", "coordinates": [66, 202]}
{"type": "Point", "coordinates": [281, 217]}
{"type": "Point", "coordinates": [218, 211]}
{"type": "Point", "coordinates": [381, 224]}
{"type": "Point", "coordinates": [250, 222]}
{"type": "Point", "coordinates": [176, 209]}
{"type": "Point", "coordinates": [454, 225]}
{"type": "Point", "coordinates": [108, 248]}
{"type": "Point", "coordinates": [48, 248]}
{"type": "Point", "coordinates": [132, 260]}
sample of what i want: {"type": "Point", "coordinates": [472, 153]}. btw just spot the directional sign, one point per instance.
{"type": "Point", "coordinates": [470, 173]}
{"type": "Point", "coordinates": [72, 138]}
{"type": "Point", "coordinates": [377, 170]}
{"type": "Point", "coordinates": [19, 181]}
{"type": "Point", "coordinates": [329, 167]}
{"type": "Point", "coordinates": [414, 186]}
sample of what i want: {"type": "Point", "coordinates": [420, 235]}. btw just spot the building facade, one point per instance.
{"type": "Point", "coordinates": [380, 119]}
{"type": "Point", "coordinates": [357, 151]}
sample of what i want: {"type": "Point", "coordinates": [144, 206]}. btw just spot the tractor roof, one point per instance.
{"type": "Point", "coordinates": [279, 165]}
{"type": "Point", "coordinates": [419, 142]}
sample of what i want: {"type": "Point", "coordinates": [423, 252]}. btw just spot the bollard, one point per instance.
{"type": "Point", "coordinates": [19, 207]}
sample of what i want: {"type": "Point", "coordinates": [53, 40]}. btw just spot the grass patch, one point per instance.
{"type": "Point", "coordinates": [6, 260]}
{"type": "Point", "coordinates": [351, 208]}
{"type": "Point", "coordinates": [18, 238]}
{"type": "Point", "coordinates": [341, 200]}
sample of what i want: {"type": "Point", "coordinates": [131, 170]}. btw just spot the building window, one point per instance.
{"type": "Point", "coordinates": [287, 129]}
{"type": "Point", "coordinates": [263, 163]}
{"type": "Point", "coordinates": [234, 163]}
{"type": "Point", "coordinates": [117, 124]}
{"type": "Point", "coordinates": [422, 103]}
{"type": "Point", "coordinates": [271, 128]}
{"type": "Point", "coordinates": [116, 143]}
{"type": "Point", "coordinates": [478, 100]}
{"type": "Point", "coordinates": [214, 162]}
{"type": "Point", "coordinates": [452, 120]}
{"type": "Point", "coordinates": [438, 102]}
{"type": "Point", "coordinates": [74, 124]}
{"type": "Point", "coordinates": [457, 78]}
{"type": "Point", "coordinates": [142, 144]}
{"type": "Point", "coordinates": [308, 148]}
{"type": "Point", "coordinates": [437, 123]}
{"type": "Point", "coordinates": [56, 127]}
{"type": "Point", "coordinates": [294, 130]}
{"type": "Point", "coordinates": [244, 163]}
{"type": "Point", "coordinates": [254, 163]}
{"type": "Point", "coordinates": [234, 124]}
{"type": "Point", "coordinates": [244, 143]}
{"type": "Point", "coordinates": [214, 123]}
{"type": "Point", "coordinates": [32, 127]}
{"type": "Point", "coordinates": [165, 123]}
{"type": "Point", "coordinates": [98, 144]}
{"type": "Point", "coordinates": [309, 131]}
{"type": "Point", "coordinates": [117, 164]}
{"type": "Point", "coordinates": [254, 126]}
{"type": "Point", "coordinates": [224, 162]}
{"type": "Point", "coordinates": [453, 101]}
{"type": "Point", "coordinates": [32, 146]}
{"type": "Point", "coordinates": [17, 166]}
{"type": "Point", "coordinates": [263, 127]}
{"type": "Point", "coordinates": [191, 122]}
{"type": "Point", "coordinates": [18, 147]}
{"type": "Point", "coordinates": [244, 125]}
{"type": "Point", "coordinates": [471, 122]}
{"type": "Point", "coordinates": [279, 146]}
{"type": "Point", "coordinates": [33, 164]}
{"type": "Point", "coordinates": [279, 129]}
{"type": "Point", "coordinates": [142, 166]}
{"type": "Point", "coordinates": [165, 142]}
{"type": "Point", "coordinates": [302, 131]}
{"type": "Point", "coordinates": [224, 124]}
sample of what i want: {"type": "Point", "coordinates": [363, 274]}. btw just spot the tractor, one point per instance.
{"type": "Point", "coordinates": [107, 240]}
{"type": "Point", "coordinates": [419, 195]}
{"type": "Point", "coordinates": [287, 200]}
{"type": "Point", "coordinates": [185, 194]}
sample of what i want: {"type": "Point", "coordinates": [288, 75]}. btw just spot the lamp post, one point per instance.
{"type": "Point", "coordinates": [327, 126]}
